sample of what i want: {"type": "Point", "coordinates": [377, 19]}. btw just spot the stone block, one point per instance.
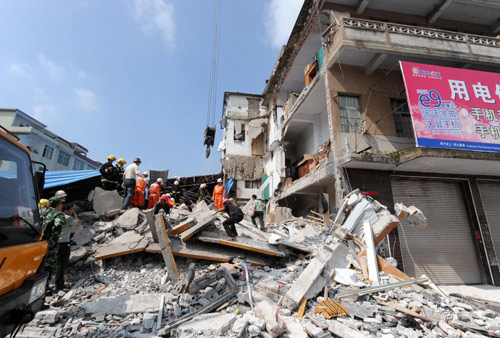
{"type": "Point", "coordinates": [105, 201]}
{"type": "Point", "coordinates": [208, 325]}
{"type": "Point", "coordinates": [129, 219]}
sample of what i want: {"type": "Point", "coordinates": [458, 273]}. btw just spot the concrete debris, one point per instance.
{"type": "Point", "coordinates": [412, 214]}
{"type": "Point", "coordinates": [308, 283]}
{"type": "Point", "coordinates": [105, 201]}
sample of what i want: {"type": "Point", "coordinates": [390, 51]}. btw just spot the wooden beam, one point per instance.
{"type": "Point", "coordinates": [362, 6]}
{"type": "Point", "coordinates": [436, 12]}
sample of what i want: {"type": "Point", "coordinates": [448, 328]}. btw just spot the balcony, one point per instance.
{"type": "Point", "coordinates": [375, 44]}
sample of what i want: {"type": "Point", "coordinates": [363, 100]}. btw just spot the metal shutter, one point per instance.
{"type": "Point", "coordinates": [489, 196]}
{"type": "Point", "coordinates": [444, 250]}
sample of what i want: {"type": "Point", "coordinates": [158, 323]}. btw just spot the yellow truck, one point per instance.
{"type": "Point", "coordinates": [22, 277]}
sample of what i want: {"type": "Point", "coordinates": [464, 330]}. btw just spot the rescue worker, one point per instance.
{"type": "Point", "coordinates": [257, 212]}
{"type": "Point", "coordinates": [235, 216]}
{"type": "Point", "coordinates": [170, 201]}
{"type": "Point", "coordinates": [140, 188]}
{"type": "Point", "coordinates": [120, 165]}
{"type": "Point", "coordinates": [53, 221]}
{"type": "Point", "coordinates": [43, 205]}
{"type": "Point", "coordinates": [129, 177]}
{"type": "Point", "coordinates": [154, 193]}
{"type": "Point", "coordinates": [219, 194]}
{"type": "Point", "coordinates": [204, 194]}
{"type": "Point", "coordinates": [63, 248]}
{"type": "Point", "coordinates": [162, 204]}
{"type": "Point", "coordinates": [108, 172]}
{"type": "Point", "coordinates": [62, 194]}
{"type": "Point", "coordinates": [177, 193]}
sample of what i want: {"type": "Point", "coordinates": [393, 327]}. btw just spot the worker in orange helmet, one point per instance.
{"type": "Point", "coordinates": [154, 193]}
{"type": "Point", "coordinates": [140, 188]}
{"type": "Point", "coordinates": [162, 205]}
{"type": "Point", "coordinates": [219, 194]}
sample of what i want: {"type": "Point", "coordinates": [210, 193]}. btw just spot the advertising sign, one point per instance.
{"type": "Point", "coordinates": [453, 108]}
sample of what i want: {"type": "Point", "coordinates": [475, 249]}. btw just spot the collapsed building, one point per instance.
{"type": "Point", "coordinates": [335, 117]}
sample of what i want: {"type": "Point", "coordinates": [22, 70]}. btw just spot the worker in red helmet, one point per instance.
{"type": "Point", "coordinates": [162, 204]}
{"type": "Point", "coordinates": [235, 216]}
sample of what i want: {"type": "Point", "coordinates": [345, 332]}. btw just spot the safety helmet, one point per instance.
{"type": "Point", "coordinates": [44, 203]}
{"type": "Point", "coordinates": [160, 180]}
{"type": "Point", "coordinates": [145, 173]}
{"type": "Point", "coordinates": [164, 197]}
{"type": "Point", "coordinates": [176, 183]}
{"type": "Point", "coordinates": [137, 160]}
{"type": "Point", "coordinates": [203, 186]}
{"type": "Point", "coordinates": [219, 180]}
{"type": "Point", "coordinates": [226, 200]}
{"type": "Point", "coordinates": [121, 161]}
{"type": "Point", "coordinates": [61, 193]}
{"type": "Point", "coordinates": [111, 158]}
{"type": "Point", "coordinates": [168, 195]}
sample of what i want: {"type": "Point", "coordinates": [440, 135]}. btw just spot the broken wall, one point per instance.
{"type": "Point", "coordinates": [243, 167]}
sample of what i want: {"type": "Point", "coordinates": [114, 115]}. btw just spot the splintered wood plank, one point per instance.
{"type": "Point", "coordinates": [183, 226]}
{"type": "Point", "coordinates": [186, 235]}
{"type": "Point", "coordinates": [240, 243]}
{"type": "Point", "coordinates": [302, 308]}
{"type": "Point", "coordinates": [128, 243]}
{"type": "Point", "coordinates": [166, 251]}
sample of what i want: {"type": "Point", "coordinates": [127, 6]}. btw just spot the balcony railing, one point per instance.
{"type": "Point", "coordinates": [373, 25]}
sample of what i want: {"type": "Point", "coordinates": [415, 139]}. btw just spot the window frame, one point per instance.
{"type": "Point", "coordinates": [63, 154]}
{"type": "Point", "coordinates": [350, 127]}
{"type": "Point", "coordinates": [45, 151]}
{"type": "Point", "coordinates": [80, 162]}
{"type": "Point", "coordinates": [403, 128]}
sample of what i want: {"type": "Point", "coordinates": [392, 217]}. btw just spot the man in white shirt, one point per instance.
{"type": "Point", "coordinates": [129, 176]}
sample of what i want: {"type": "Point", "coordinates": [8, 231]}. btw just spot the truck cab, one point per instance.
{"type": "Point", "coordinates": [22, 278]}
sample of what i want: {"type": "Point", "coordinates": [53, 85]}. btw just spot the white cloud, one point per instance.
{"type": "Point", "coordinates": [157, 15]}
{"type": "Point", "coordinates": [81, 74]}
{"type": "Point", "coordinates": [55, 72]}
{"type": "Point", "coordinates": [45, 113]}
{"type": "Point", "coordinates": [19, 69]}
{"type": "Point", "coordinates": [87, 100]}
{"type": "Point", "coordinates": [280, 18]}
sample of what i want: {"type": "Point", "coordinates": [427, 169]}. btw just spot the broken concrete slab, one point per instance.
{"type": "Point", "coordinates": [78, 253]}
{"type": "Point", "coordinates": [164, 242]}
{"type": "Point", "coordinates": [82, 235]}
{"type": "Point", "coordinates": [207, 325]}
{"type": "Point", "coordinates": [150, 217]}
{"type": "Point", "coordinates": [294, 328]}
{"type": "Point", "coordinates": [101, 226]}
{"type": "Point", "coordinates": [128, 220]}
{"type": "Point", "coordinates": [127, 243]}
{"type": "Point", "coordinates": [183, 226]}
{"type": "Point", "coordinates": [342, 330]}
{"type": "Point", "coordinates": [104, 200]}
{"type": "Point", "coordinates": [241, 243]}
{"type": "Point", "coordinates": [209, 219]}
{"type": "Point", "coordinates": [201, 207]}
{"type": "Point", "coordinates": [268, 312]}
{"type": "Point", "coordinates": [122, 305]}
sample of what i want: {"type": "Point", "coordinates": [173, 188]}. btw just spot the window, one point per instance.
{"type": "Point", "coordinates": [48, 151]}
{"type": "Point", "coordinates": [63, 158]}
{"type": "Point", "coordinates": [78, 164]}
{"type": "Point", "coordinates": [350, 115]}
{"type": "Point", "coordinates": [239, 131]}
{"type": "Point", "coordinates": [402, 118]}
{"type": "Point", "coordinates": [252, 184]}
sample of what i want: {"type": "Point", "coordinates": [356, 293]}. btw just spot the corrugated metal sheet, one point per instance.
{"type": "Point", "coordinates": [444, 251]}
{"type": "Point", "coordinates": [61, 177]}
{"type": "Point", "coordinates": [489, 195]}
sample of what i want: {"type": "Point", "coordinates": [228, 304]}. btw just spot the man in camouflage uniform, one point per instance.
{"type": "Point", "coordinates": [53, 220]}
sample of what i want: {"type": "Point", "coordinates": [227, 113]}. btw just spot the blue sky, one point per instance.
{"type": "Point", "coordinates": [130, 77]}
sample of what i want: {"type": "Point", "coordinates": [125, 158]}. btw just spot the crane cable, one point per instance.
{"type": "Point", "coordinates": [214, 67]}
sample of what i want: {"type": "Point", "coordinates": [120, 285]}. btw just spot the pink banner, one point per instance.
{"type": "Point", "coordinates": [453, 108]}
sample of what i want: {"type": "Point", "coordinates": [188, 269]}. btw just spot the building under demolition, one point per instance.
{"type": "Point", "coordinates": [334, 116]}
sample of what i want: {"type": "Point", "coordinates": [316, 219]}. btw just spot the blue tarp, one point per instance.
{"type": "Point", "coordinates": [228, 186]}
{"type": "Point", "coordinates": [61, 177]}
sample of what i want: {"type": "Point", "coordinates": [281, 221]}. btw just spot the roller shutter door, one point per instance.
{"type": "Point", "coordinates": [444, 250]}
{"type": "Point", "coordinates": [490, 197]}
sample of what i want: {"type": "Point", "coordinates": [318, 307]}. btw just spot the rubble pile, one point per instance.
{"type": "Point", "coordinates": [142, 275]}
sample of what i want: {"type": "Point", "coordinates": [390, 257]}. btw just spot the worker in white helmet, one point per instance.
{"type": "Point", "coordinates": [177, 193]}
{"type": "Point", "coordinates": [219, 194]}
{"type": "Point", "coordinates": [62, 194]}
{"type": "Point", "coordinates": [204, 194]}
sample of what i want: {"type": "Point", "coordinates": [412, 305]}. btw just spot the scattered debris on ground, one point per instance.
{"type": "Point", "coordinates": [136, 274]}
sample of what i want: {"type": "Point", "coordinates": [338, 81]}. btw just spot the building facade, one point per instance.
{"type": "Point", "coordinates": [339, 120]}
{"type": "Point", "coordinates": [45, 146]}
